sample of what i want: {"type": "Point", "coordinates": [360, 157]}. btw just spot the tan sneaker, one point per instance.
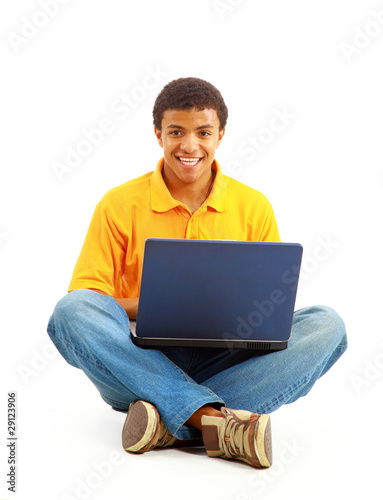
{"type": "Point", "coordinates": [239, 435]}
{"type": "Point", "coordinates": [144, 430]}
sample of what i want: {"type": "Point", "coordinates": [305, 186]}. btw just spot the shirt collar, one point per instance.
{"type": "Point", "coordinates": [217, 198]}
{"type": "Point", "coordinates": [162, 200]}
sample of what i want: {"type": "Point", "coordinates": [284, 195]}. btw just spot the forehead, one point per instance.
{"type": "Point", "coordinates": [190, 119]}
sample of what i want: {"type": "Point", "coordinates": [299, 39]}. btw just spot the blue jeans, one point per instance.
{"type": "Point", "coordinates": [91, 331]}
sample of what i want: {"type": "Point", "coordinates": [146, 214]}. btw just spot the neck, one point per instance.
{"type": "Point", "coordinates": [193, 194]}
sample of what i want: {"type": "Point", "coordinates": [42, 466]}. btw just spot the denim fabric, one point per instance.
{"type": "Point", "coordinates": [91, 331]}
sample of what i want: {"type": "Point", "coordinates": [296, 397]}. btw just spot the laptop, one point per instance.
{"type": "Point", "coordinates": [217, 293]}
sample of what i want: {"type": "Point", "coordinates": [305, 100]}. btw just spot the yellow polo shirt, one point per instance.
{"type": "Point", "coordinates": [112, 254]}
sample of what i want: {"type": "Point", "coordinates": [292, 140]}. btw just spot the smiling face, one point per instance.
{"type": "Point", "coordinates": [189, 139]}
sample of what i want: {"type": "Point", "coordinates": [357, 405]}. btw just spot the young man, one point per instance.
{"type": "Point", "coordinates": [175, 396]}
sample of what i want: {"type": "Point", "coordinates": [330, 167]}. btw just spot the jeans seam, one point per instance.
{"type": "Point", "coordinates": [84, 356]}
{"type": "Point", "coordinates": [277, 401]}
{"type": "Point", "coordinates": [341, 347]}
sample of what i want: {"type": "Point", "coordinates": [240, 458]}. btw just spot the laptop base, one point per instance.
{"type": "Point", "coordinates": [261, 347]}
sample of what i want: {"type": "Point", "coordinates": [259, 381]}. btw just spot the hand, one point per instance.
{"type": "Point", "coordinates": [130, 306]}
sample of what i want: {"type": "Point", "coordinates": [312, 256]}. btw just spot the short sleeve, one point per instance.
{"type": "Point", "coordinates": [100, 264]}
{"type": "Point", "coordinates": [269, 230]}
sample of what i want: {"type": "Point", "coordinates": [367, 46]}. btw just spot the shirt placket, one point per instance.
{"type": "Point", "coordinates": [192, 228]}
{"type": "Point", "coordinates": [193, 225]}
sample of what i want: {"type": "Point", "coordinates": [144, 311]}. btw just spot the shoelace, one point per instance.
{"type": "Point", "coordinates": [233, 433]}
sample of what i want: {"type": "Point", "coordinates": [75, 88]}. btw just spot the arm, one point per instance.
{"type": "Point", "coordinates": [129, 305]}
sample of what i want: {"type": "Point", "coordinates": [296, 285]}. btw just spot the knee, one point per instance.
{"type": "Point", "coordinates": [71, 311]}
{"type": "Point", "coordinates": [72, 304]}
{"type": "Point", "coordinates": [327, 325]}
{"type": "Point", "coordinates": [333, 327]}
{"type": "Point", "coordinates": [329, 317]}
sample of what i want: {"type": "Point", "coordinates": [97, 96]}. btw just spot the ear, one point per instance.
{"type": "Point", "coordinates": [220, 136]}
{"type": "Point", "coordinates": [159, 136]}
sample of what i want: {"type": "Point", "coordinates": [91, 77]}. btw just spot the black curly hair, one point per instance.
{"type": "Point", "coordinates": [189, 93]}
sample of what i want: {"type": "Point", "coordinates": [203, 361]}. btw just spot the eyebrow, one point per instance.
{"type": "Point", "coordinates": [182, 128]}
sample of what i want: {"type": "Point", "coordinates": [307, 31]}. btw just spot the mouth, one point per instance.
{"type": "Point", "coordinates": [189, 162]}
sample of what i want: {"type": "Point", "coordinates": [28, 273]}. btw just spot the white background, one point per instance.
{"type": "Point", "coordinates": [322, 173]}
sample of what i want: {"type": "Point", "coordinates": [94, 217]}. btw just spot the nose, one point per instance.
{"type": "Point", "coordinates": [189, 143]}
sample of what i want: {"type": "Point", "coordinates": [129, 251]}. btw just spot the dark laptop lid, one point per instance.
{"type": "Point", "coordinates": [217, 292]}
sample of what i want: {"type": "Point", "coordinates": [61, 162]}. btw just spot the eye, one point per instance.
{"type": "Point", "coordinates": [205, 134]}
{"type": "Point", "coordinates": [175, 133]}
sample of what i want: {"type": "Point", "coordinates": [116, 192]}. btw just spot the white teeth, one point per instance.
{"type": "Point", "coordinates": [189, 161]}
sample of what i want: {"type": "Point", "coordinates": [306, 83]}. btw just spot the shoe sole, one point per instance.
{"type": "Point", "coordinates": [263, 441]}
{"type": "Point", "coordinates": [140, 426]}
